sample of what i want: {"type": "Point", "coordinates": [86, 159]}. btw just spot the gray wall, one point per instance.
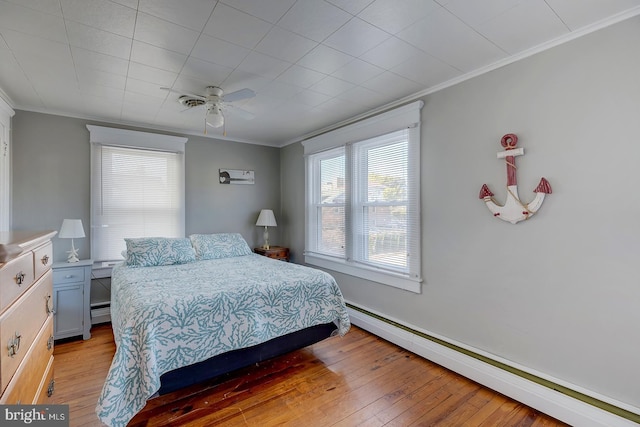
{"type": "Point", "coordinates": [293, 199]}
{"type": "Point", "coordinates": [559, 293]}
{"type": "Point", "coordinates": [51, 181]}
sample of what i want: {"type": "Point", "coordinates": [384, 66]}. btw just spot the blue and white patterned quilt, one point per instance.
{"type": "Point", "coordinates": [167, 317]}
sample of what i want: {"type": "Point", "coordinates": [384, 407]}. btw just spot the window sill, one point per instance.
{"type": "Point", "coordinates": [399, 281]}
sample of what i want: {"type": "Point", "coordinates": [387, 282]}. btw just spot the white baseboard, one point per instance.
{"type": "Point", "coordinates": [551, 402]}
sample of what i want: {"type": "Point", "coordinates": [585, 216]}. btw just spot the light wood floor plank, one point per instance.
{"type": "Point", "coordinates": [356, 380]}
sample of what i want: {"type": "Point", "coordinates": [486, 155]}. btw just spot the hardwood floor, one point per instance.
{"type": "Point", "coordinates": [357, 380]}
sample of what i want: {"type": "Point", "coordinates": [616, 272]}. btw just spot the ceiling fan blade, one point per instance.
{"type": "Point", "coordinates": [193, 95]}
{"type": "Point", "coordinates": [236, 111]}
{"type": "Point", "coordinates": [239, 94]}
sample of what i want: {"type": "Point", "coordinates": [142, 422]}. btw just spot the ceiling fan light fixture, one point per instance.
{"type": "Point", "coordinates": [214, 117]}
{"type": "Point", "coordinates": [213, 102]}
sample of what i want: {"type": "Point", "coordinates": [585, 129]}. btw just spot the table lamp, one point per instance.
{"type": "Point", "coordinates": [72, 229]}
{"type": "Point", "coordinates": [266, 219]}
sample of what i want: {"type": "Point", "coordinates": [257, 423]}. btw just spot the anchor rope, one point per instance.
{"type": "Point", "coordinates": [521, 204]}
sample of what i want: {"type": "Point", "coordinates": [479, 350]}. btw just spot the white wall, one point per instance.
{"type": "Point", "coordinates": [559, 293]}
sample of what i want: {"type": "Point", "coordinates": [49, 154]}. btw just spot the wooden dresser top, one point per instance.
{"type": "Point", "coordinates": [13, 243]}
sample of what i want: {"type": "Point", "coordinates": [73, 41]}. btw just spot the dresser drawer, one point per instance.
{"type": "Point", "coordinates": [26, 384]}
{"type": "Point", "coordinates": [46, 385]}
{"type": "Point", "coordinates": [20, 325]}
{"type": "Point", "coordinates": [42, 259]}
{"type": "Point", "coordinates": [15, 277]}
{"type": "Point", "coordinates": [68, 275]}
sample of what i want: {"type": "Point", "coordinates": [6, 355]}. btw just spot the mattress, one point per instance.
{"type": "Point", "coordinates": [168, 317]}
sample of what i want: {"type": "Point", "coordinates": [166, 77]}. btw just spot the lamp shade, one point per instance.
{"type": "Point", "coordinates": [266, 218]}
{"type": "Point", "coordinates": [71, 229]}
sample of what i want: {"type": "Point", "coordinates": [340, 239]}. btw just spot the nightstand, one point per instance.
{"type": "Point", "coordinates": [72, 299]}
{"type": "Point", "coordinates": [275, 252]}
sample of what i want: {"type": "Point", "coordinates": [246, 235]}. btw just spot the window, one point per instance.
{"type": "Point", "coordinates": [137, 189]}
{"type": "Point", "coordinates": [362, 199]}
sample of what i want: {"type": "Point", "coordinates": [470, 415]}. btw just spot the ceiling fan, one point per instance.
{"type": "Point", "coordinates": [214, 103]}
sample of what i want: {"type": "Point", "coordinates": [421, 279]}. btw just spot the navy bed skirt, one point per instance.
{"type": "Point", "coordinates": [241, 358]}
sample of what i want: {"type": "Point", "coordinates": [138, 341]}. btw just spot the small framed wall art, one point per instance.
{"type": "Point", "coordinates": [236, 176]}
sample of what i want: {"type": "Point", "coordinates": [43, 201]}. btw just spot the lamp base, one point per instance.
{"type": "Point", "coordinates": [266, 238]}
{"type": "Point", "coordinates": [73, 254]}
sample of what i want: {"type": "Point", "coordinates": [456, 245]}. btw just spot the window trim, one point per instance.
{"type": "Point", "coordinates": [135, 139]}
{"type": "Point", "coordinates": [407, 116]}
{"type": "Point", "coordinates": [124, 138]}
{"type": "Point", "coordinates": [386, 277]}
{"type": "Point", "coordinates": [6, 113]}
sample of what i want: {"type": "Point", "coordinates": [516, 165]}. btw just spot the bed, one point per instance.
{"type": "Point", "coordinates": [199, 307]}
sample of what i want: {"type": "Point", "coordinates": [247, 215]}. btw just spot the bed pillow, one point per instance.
{"type": "Point", "coordinates": [220, 245]}
{"type": "Point", "coordinates": [153, 251]}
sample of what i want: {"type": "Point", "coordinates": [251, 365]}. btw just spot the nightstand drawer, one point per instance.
{"type": "Point", "coordinates": [275, 252]}
{"type": "Point", "coordinates": [68, 275]}
{"type": "Point", "coordinates": [279, 253]}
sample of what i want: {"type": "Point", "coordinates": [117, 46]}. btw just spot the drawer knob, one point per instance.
{"type": "Point", "coordinates": [50, 309]}
{"type": "Point", "coordinates": [20, 278]}
{"type": "Point", "coordinates": [50, 343]}
{"type": "Point", "coordinates": [45, 260]}
{"type": "Point", "coordinates": [52, 384]}
{"type": "Point", "coordinates": [14, 344]}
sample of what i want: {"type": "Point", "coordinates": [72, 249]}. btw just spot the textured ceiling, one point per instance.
{"type": "Point", "coordinates": [311, 63]}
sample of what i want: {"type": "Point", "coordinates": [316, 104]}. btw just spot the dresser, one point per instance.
{"type": "Point", "coordinates": [275, 252]}
{"type": "Point", "coordinates": [26, 317]}
{"type": "Point", "coordinates": [72, 299]}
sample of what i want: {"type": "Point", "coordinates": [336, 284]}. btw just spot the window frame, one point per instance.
{"type": "Point", "coordinates": [144, 141]}
{"type": "Point", "coordinates": [316, 195]}
{"type": "Point", "coordinates": [353, 138]}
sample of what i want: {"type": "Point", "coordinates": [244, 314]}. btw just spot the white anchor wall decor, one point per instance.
{"type": "Point", "coordinates": [514, 210]}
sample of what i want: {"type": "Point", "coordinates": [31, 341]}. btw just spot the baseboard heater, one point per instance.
{"type": "Point", "coordinates": [566, 402]}
{"type": "Point", "coordinates": [100, 313]}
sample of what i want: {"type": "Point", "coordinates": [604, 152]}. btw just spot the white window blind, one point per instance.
{"type": "Point", "coordinates": [363, 202]}
{"type": "Point", "coordinates": [330, 203]}
{"type": "Point", "coordinates": [135, 192]}
{"type": "Point", "coordinates": [383, 202]}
